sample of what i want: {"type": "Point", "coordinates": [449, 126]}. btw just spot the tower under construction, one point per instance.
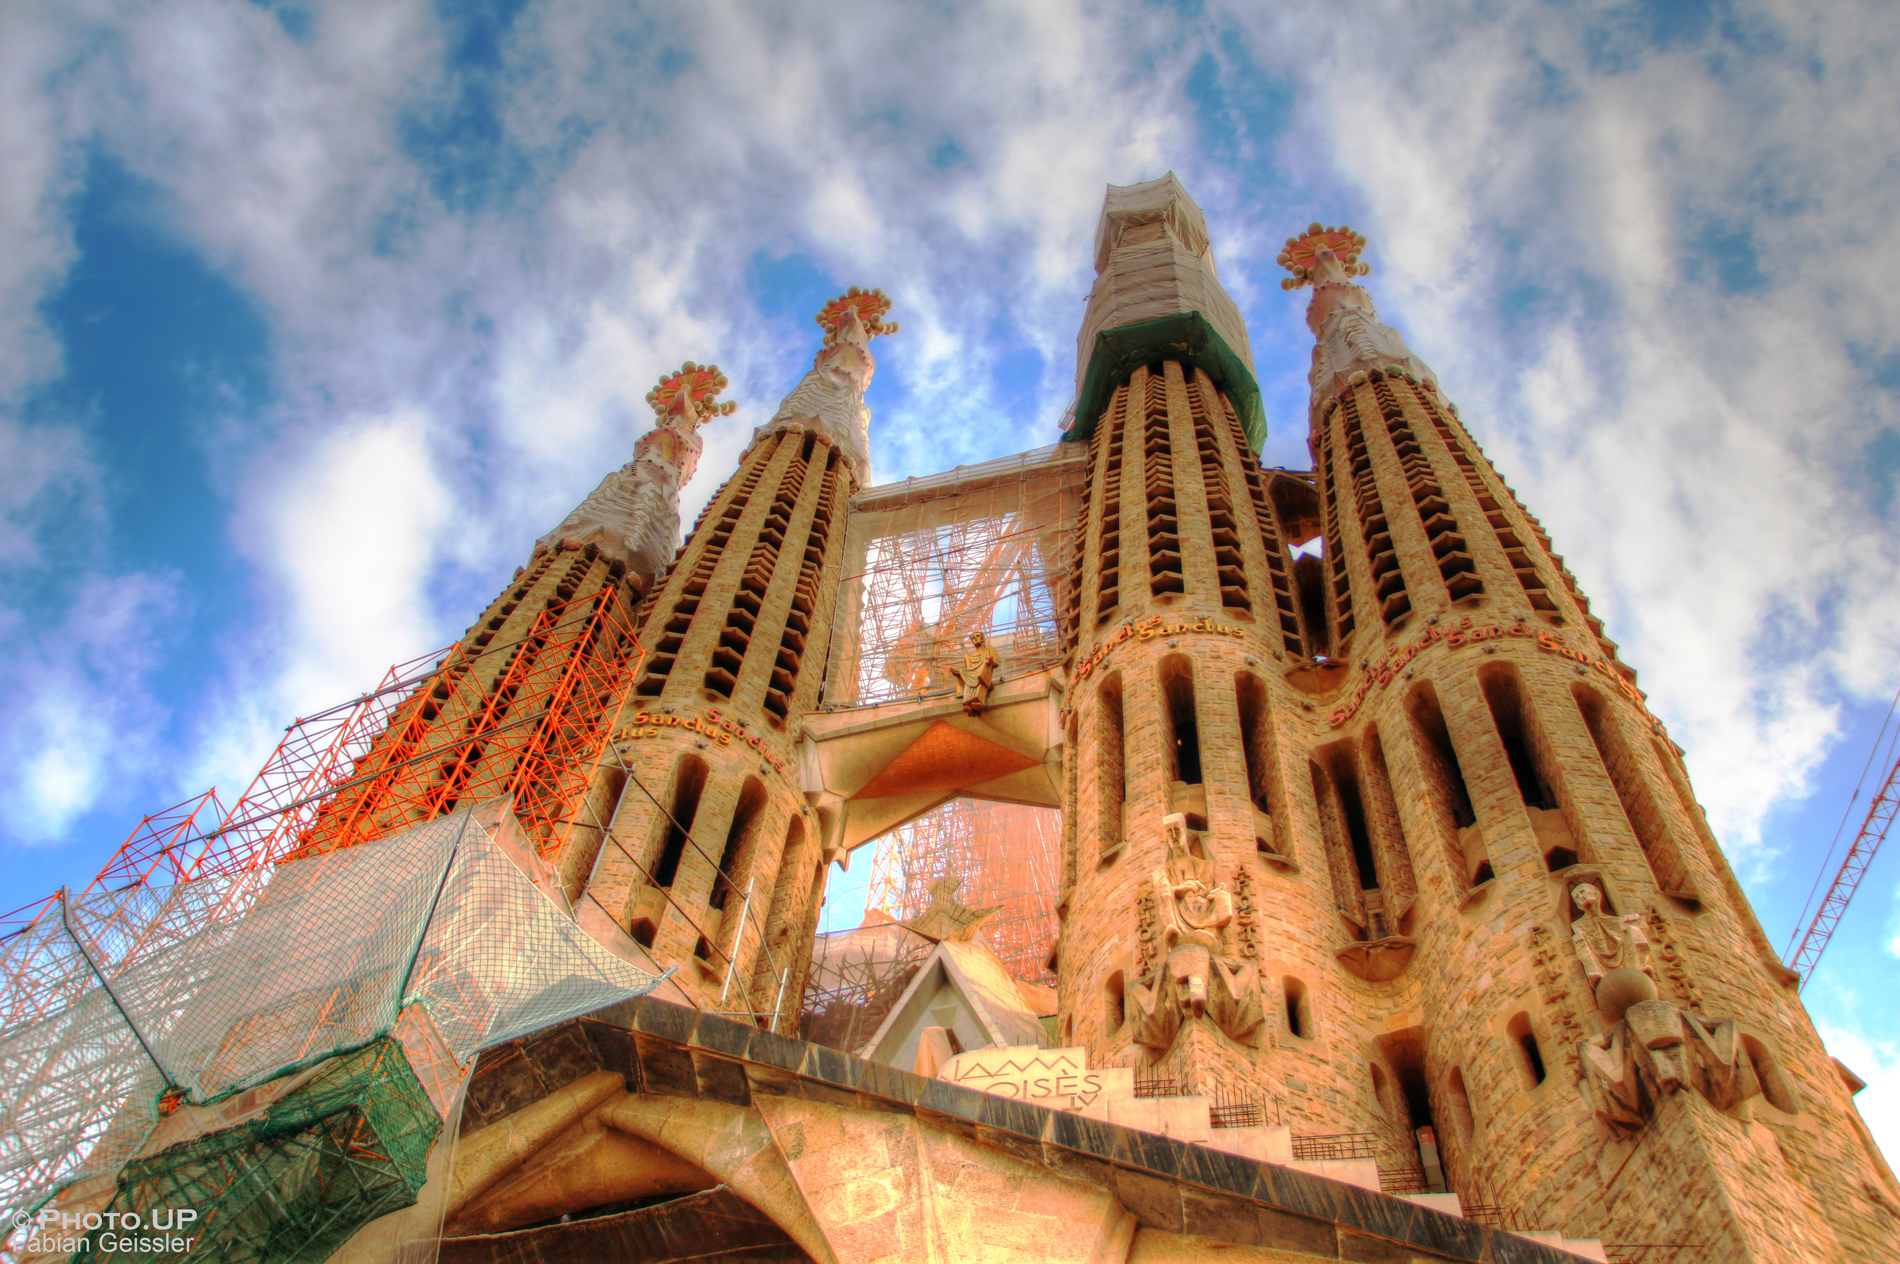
{"type": "Point", "coordinates": [1274, 863]}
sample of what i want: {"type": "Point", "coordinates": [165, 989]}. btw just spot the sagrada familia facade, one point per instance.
{"type": "Point", "coordinates": [1366, 828]}
{"type": "Point", "coordinates": [1390, 927]}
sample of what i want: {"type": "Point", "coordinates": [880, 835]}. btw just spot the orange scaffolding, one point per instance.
{"type": "Point", "coordinates": [537, 715]}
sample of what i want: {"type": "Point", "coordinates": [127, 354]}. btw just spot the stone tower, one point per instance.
{"type": "Point", "coordinates": [1380, 833]}
{"type": "Point", "coordinates": [574, 600]}
{"type": "Point", "coordinates": [736, 635]}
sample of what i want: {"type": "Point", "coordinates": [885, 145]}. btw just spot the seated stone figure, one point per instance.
{"type": "Point", "coordinates": [1198, 975]}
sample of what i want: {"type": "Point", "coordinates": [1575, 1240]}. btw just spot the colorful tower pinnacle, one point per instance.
{"type": "Point", "coordinates": [633, 517]}
{"type": "Point", "coordinates": [830, 399]}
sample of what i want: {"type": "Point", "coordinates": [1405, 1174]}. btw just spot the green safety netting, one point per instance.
{"type": "Point", "coordinates": [346, 1146]}
{"type": "Point", "coordinates": [1187, 337]}
{"type": "Point", "coordinates": [203, 989]}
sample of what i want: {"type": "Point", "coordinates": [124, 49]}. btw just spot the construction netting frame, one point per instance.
{"type": "Point", "coordinates": [347, 1145]}
{"type": "Point", "coordinates": [984, 548]}
{"type": "Point", "coordinates": [856, 976]}
{"type": "Point", "coordinates": [1007, 855]}
{"type": "Point", "coordinates": [154, 1000]}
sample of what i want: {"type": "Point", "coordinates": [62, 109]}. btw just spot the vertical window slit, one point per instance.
{"type": "Point", "coordinates": [1110, 771]}
{"type": "Point", "coordinates": [689, 779]}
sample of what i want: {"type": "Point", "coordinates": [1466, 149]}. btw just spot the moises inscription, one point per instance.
{"type": "Point", "coordinates": [1057, 1078]}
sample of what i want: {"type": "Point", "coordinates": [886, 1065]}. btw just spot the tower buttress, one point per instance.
{"type": "Point", "coordinates": [717, 864]}
{"type": "Point", "coordinates": [1485, 728]}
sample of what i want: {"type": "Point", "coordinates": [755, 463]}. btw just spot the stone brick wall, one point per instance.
{"type": "Point", "coordinates": [1444, 590]}
{"type": "Point", "coordinates": [737, 636]}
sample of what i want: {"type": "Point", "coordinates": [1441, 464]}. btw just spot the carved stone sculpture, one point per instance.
{"type": "Point", "coordinates": [1614, 953]}
{"type": "Point", "coordinates": [1199, 975]}
{"type": "Point", "coordinates": [977, 674]}
{"type": "Point", "coordinates": [1650, 1049]}
{"type": "Point", "coordinates": [1605, 941]}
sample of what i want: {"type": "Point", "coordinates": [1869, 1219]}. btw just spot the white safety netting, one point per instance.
{"type": "Point", "coordinates": [204, 988]}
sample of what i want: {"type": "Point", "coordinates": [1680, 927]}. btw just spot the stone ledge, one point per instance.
{"type": "Point", "coordinates": [667, 1050]}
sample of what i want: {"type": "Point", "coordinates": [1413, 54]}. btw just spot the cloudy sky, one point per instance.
{"type": "Point", "coordinates": [312, 316]}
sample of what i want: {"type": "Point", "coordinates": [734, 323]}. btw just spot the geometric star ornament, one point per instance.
{"type": "Point", "coordinates": [1301, 252]}
{"type": "Point", "coordinates": [689, 394]}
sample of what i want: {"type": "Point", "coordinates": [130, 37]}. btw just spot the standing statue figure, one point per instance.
{"type": "Point", "coordinates": [977, 674]}
{"type": "Point", "coordinates": [1605, 942]}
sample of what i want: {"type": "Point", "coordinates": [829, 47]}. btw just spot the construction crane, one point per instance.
{"type": "Point", "coordinates": [1860, 854]}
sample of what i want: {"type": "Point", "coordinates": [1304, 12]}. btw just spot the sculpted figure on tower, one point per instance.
{"type": "Point", "coordinates": [977, 674]}
{"type": "Point", "coordinates": [1199, 973]}
{"type": "Point", "coordinates": [1604, 942]}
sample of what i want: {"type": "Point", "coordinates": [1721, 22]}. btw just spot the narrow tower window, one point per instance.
{"type": "Point", "coordinates": [689, 779]}
{"type": "Point", "coordinates": [1525, 1038]}
{"type": "Point", "coordinates": [717, 535]}
{"type": "Point", "coordinates": [1184, 739]}
{"type": "Point", "coordinates": [1461, 1104]}
{"type": "Point", "coordinates": [1299, 1015]}
{"type": "Point", "coordinates": [781, 915]}
{"type": "Point", "coordinates": [1229, 564]}
{"type": "Point", "coordinates": [1504, 694]}
{"type": "Point", "coordinates": [1455, 566]}
{"type": "Point", "coordinates": [1447, 781]}
{"type": "Point", "coordinates": [1388, 580]}
{"type": "Point", "coordinates": [1116, 1012]}
{"type": "Point", "coordinates": [1528, 752]}
{"type": "Point", "coordinates": [604, 807]}
{"type": "Point", "coordinates": [1365, 867]}
{"type": "Point", "coordinates": [1114, 426]}
{"type": "Point", "coordinates": [1157, 445]}
{"type": "Point", "coordinates": [1309, 578]}
{"type": "Point", "coordinates": [1620, 761]}
{"type": "Point", "coordinates": [1264, 513]}
{"type": "Point", "coordinates": [745, 819]}
{"type": "Point", "coordinates": [1334, 550]}
{"type": "Point", "coordinates": [1110, 772]}
{"type": "Point", "coordinates": [1256, 741]}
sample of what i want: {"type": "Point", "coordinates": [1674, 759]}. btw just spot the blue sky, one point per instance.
{"type": "Point", "coordinates": [313, 316]}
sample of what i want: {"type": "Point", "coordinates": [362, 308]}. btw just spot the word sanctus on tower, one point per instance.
{"type": "Point", "coordinates": [1272, 865]}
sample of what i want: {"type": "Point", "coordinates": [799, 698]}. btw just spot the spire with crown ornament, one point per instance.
{"type": "Point", "coordinates": [1350, 338]}
{"type": "Point", "coordinates": [830, 398]}
{"type": "Point", "coordinates": [633, 517]}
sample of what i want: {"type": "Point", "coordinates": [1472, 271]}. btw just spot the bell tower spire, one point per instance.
{"type": "Point", "coordinates": [1349, 335]}
{"type": "Point", "coordinates": [633, 517]}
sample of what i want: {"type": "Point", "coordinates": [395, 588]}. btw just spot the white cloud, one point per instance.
{"type": "Point", "coordinates": [1877, 1062]}
{"type": "Point", "coordinates": [1549, 223]}
{"type": "Point", "coordinates": [81, 712]}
